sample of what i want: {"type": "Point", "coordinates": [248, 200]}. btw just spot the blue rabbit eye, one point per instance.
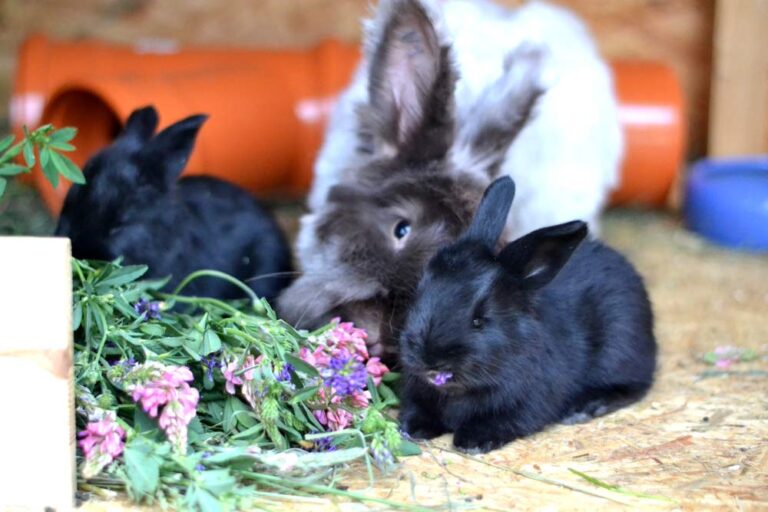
{"type": "Point", "coordinates": [402, 229]}
{"type": "Point", "coordinates": [478, 323]}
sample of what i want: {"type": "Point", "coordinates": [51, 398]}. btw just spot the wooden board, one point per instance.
{"type": "Point", "coordinates": [37, 438]}
{"type": "Point", "coordinates": [739, 106]}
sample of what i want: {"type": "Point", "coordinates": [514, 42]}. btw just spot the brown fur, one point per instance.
{"type": "Point", "coordinates": [354, 266]}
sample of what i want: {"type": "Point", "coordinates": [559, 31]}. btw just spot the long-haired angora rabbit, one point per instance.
{"type": "Point", "coordinates": [450, 96]}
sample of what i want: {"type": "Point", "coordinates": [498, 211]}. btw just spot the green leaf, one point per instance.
{"type": "Point", "coordinates": [63, 135]}
{"type": "Point", "coordinates": [218, 481]}
{"type": "Point", "coordinates": [408, 448]}
{"type": "Point", "coordinates": [387, 395]}
{"type": "Point", "coordinates": [152, 329]}
{"type": "Point", "coordinates": [123, 275]}
{"type": "Point", "coordinates": [6, 142]}
{"type": "Point", "coordinates": [302, 366]}
{"type": "Point", "coordinates": [206, 502]}
{"type": "Point", "coordinates": [29, 153]}
{"type": "Point", "coordinates": [211, 342]}
{"type": "Point", "coordinates": [3, 182]}
{"type": "Point", "coordinates": [45, 156]}
{"type": "Point", "coordinates": [11, 153]}
{"type": "Point", "coordinates": [77, 316]}
{"type": "Point", "coordinates": [67, 168]}
{"type": "Point", "coordinates": [62, 146]}
{"type": "Point", "coordinates": [12, 169]}
{"type": "Point", "coordinates": [390, 377]}
{"type": "Point", "coordinates": [250, 433]}
{"type": "Point", "coordinates": [236, 411]}
{"type": "Point", "coordinates": [303, 394]}
{"type": "Point", "coordinates": [49, 170]}
{"type": "Point", "coordinates": [142, 468]}
{"type": "Point", "coordinates": [145, 425]}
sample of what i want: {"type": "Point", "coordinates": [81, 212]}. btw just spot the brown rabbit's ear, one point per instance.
{"type": "Point", "coordinates": [410, 85]}
{"type": "Point", "coordinates": [498, 116]}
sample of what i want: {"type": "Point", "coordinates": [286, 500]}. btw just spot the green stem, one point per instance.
{"type": "Point", "coordinates": [221, 275]}
{"type": "Point", "coordinates": [322, 489]}
{"type": "Point", "coordinates": [199, 300]}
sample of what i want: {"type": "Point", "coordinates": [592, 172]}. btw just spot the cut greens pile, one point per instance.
{"type": "Point", "coordinates": [197, 403]}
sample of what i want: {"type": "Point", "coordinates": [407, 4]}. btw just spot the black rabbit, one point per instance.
{"type": "Point", "coordinates": [133, 205]}
{"type": "Point", "coordinates": [498, 345]}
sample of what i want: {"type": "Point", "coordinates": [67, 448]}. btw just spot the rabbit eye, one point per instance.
{"type": "Point", "coordinates": [402, 229]}
{"type": "Point", "coordinates": [478, 323]}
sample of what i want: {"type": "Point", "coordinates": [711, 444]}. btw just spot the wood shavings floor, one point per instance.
{"type": "Point", "coordinates": [699, 441]}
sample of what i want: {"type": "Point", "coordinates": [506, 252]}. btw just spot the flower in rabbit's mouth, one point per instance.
{"type": "Point", "coordinates": [439, 378]}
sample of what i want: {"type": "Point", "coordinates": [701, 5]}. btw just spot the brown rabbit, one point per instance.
{"type": "Point", "coordinates": [364, 251]}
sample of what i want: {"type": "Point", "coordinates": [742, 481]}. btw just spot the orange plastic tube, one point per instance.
{"type": "Point", "coordinates": [268, 108]}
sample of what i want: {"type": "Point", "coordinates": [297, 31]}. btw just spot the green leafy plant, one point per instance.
{"type": "Point", "coordinates": [203, 404]}
{"type": "Point", "coordinates": [44, 145]}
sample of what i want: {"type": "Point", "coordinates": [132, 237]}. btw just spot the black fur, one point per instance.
{"type": "Point", "coordinates": [564, 332]}
{"type": "Point", "coordinates": [133, 205]}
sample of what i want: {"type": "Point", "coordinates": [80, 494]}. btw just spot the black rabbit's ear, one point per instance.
{"type": "Point", "coordinates": [169, 151]}
{"type": "Point", "coordinates": [536, 258]}
{"type": "Point", "coordinates": [141, 124]}
{"type": "Point", "coordinates": [491, 215]}
{"type": "Point", "coordinates": [410, 85]}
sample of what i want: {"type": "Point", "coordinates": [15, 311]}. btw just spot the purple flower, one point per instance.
{"type": "Point", "coordinates": [441, 378]}
{"type": "Point", "coordinates": [324, 444]}
{"type": "Point", "coordinates": [345, 374]}
{"type": "Point", "coordinates": [199, 467]}
{"type": "Point", "coordinates": [285, 373]}
{"type": "Point", "coordinates": [210, 362]}
{"type": "Point", "coordinates": [147, 309]}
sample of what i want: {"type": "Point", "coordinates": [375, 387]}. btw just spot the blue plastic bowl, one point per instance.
{"type": "Point", "coordinates": [726, 201]}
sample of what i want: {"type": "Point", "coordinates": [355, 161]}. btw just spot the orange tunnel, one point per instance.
{"type": "Point", "coordinates": [268, 108]}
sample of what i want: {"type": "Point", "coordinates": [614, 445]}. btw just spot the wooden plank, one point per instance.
{"type": "Point", "coordinates": [37, 440]}
{"type": "Point", "coordinates": [739, 106]}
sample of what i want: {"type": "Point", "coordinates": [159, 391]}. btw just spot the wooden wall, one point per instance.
{"type": "Point", "coordinates": [678, 32]}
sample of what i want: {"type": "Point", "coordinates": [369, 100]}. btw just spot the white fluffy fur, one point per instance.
{"type": "Point", "coordinates": [564, 162]}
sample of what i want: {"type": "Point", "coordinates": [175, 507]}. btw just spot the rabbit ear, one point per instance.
{"type": "Point", "coordinates": [537, 257]}
{"type": "Point", "coordinates": [491, 215]}
{"type": "Point", "coordinates": [410, 85]}
{"type": "Point", "coordinates": [141, 124]}
{"type": "Point", "coordinates": [169, 151]}
{"type": "Point", "coordinates": [498, 116]}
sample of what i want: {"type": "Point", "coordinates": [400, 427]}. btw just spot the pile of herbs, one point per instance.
{"type": "Point", "coordinates": [197, 403]}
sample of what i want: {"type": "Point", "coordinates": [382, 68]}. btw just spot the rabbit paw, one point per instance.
{"type": "Point", "coordinates": [475, 442]}
{"type": "Point", "coordinates": [420, 426]}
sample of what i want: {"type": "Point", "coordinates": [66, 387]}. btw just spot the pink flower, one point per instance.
{"type": "Point", "coordinates": [360, 399]}
{"type": "Point", "coordinates": [725, 363]}
{"type": "Point", "coordinates": [101, 442]}
{"type": "Point", "coordinates": [232, 379]}
{"type": "Point", "coordinates": [345, 336]}
{"type": "Point", "coordinates": [250, 363]}
{"type": "Point", "coordinates": [338, 419]}
{"type": "Point", "coordinates": [177, 414]}
{"type": "Point", "coordinates": [376, 369]}
{"type": "Point", "coordinates": [320, 416]}
{"type": "Point", "coordinates": [155, 385]}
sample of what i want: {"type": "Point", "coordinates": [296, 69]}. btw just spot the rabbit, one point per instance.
{"type": "Point", "coordinates": [133, 205]}
{"type": "Point", "coordinates": [502, 341]}
{"type": "Point", "coordinates": [449, 97]}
